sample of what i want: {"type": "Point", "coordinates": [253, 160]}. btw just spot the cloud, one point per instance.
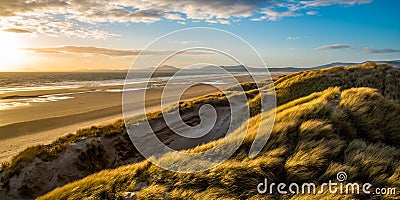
{"type": "Point", "coordinates": [386, 50]}
{"type": "Point", "coordinates": [15, 7]}
{"type": "Point", "coordinates": [295, 37]}
{"type": "Point", "coordinates": [16, 30]}
{"type": "Point", "coordinates": [173, 16]}
{"type": "Point", "coordinates": [334, 47]}
{"type": "Point", "coordinates": [218, 21]}
{"type": "Point", "coordinates": [280, 9]}
{"type": "Point", "coordinates": [319, 3]}
{"type": "Point", "coordinates": [77, 18]}
{"type": "Point", "coordinates": [84, 49]}
{"type": "Point", "coordinates": [47, 25]}
{"type": "Point", "coordinates": [312, 13]}
{"type": "Point", "coordinates": [271, 15]}
{"type": "Point", "coordinates": [105, 51]}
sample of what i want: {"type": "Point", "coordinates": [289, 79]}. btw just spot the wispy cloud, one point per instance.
{"type": "Point", "coordinates": [79, 18]}
{"type": "Point", "coordinates": [386, 50]}
{"type": "Point", "coordinates": [173, 16]}
{"type": "Point", "coordinates": [295, 37]}
{"type": "Point", "coordinates": [105, 51]}
{"type": "Point", "coordinates": [334, 47]}
{"type": "Point", "coordinates": [312, 13]}
{"type": "Point", "coordinates": [319, 3]}
{"type": "Point", "coordinates": [16, 30]}
{"type": "Point", "coordinates": [271, 15]}
{"type": "Point", "coordinates": [277, 10]}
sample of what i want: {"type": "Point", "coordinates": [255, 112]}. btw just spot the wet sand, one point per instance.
{"type": "Point", "coordinates": [42, 123]}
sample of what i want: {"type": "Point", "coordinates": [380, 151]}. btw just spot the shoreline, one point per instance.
{"type": "Point", "coordinates": [106, 109]}
{"type": "Point", "coordinates": [42, 123]}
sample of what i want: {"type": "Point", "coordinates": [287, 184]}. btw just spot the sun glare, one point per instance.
{"type": "Point", "coordinates": [10, 55]}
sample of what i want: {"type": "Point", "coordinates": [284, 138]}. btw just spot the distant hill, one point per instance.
{"type": "Point", "coordinates": [102, 70]}
{"type": "Point", "coordinates": [334, 64]}
{"type": "Point", "coordinates": [240, 68]}
{"type": "Point", "coordinates": [237, 68]}
{"type": "Point", "coordinates": [163, 68]}
{"type": "Point", "coordinates": [394, 63]}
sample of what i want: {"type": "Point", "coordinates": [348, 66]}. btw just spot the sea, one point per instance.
{"type": "Point", "coordinates": [17, 83]}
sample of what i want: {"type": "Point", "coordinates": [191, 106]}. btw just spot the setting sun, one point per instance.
{"type": "Point", "coordinates": [9, 51]}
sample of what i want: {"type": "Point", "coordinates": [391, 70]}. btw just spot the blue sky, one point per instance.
{"type": "Point", "coordinates": [286, 33]}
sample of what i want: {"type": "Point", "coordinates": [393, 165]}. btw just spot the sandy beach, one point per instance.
{"type": "Point", "coordinates": [41, 123]}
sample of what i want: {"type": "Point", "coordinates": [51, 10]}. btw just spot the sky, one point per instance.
{"type": "Point", "coordinates": [71, 35]}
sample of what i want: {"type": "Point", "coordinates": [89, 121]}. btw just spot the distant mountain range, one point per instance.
{"type": "Point", "coordinates": [240, 68]}
{"type": "Point", "coordinates": [394, 63]}
{"type": "Point", "coordinates": [164, 68]}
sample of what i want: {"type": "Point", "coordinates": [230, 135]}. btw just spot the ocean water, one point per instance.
{"type": "Point", "coordinates": [12, 82]}
{"type": "Point", "coordinates": [28, 81]}
{"type": "Point", "coordinates": [35, 80]}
